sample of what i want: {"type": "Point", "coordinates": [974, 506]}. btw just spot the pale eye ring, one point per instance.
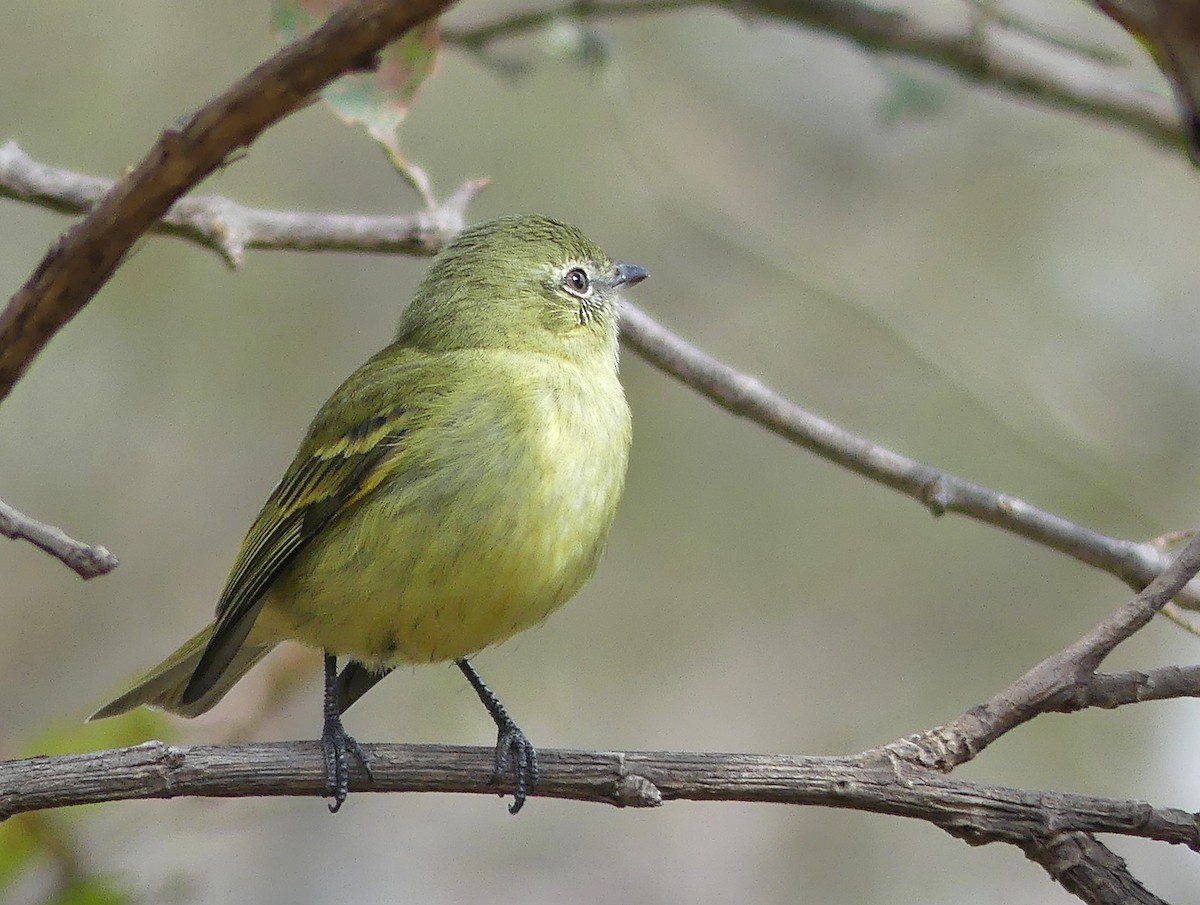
{"type": "Point", "coordinates": [577, 282]}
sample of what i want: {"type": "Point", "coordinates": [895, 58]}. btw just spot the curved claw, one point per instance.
{"type": "Point", "coordinates": [337, 744]}
{"type": "Point", "coordinates": [512, 745]}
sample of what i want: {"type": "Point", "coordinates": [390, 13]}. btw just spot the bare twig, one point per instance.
{"type": "Point", "coordinates": [87, 560]}
{"type": "Point", "coordinates": [1065, 681]}
{"type": "Point", "coordinates": [86, 256]}
{"type": "Point", "coordinates": [1088, 869]}
{"type": "Point", "coordinates": [1066, 78]}
{"type": "Point", "coordinates": [1112, 690]}
{"type": "Point", "coordinates": [229, 228]}
{"type": "Point", "coordinates": [1136, 564]}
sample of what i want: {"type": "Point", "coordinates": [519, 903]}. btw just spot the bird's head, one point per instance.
{"type": "Point", "coordinates": [523, 283]}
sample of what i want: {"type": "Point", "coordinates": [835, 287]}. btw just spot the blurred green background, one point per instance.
{"type": "Point", "coordinates": [992, 288]}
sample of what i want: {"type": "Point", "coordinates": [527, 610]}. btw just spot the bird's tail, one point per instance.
{"type": "Point", "coordinates": [163, 686]}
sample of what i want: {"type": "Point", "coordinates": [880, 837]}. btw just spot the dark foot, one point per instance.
{"type": "Point", "coordinates": [337, 744]}
{"type": "Point", "coordinates": [512, 745]}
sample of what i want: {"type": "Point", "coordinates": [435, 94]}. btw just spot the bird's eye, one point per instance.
{"type": "Point", "coordinates": [576, 281]}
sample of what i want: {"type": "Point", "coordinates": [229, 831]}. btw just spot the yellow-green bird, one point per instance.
{"type": "Point", "coordinates": [454, 490]}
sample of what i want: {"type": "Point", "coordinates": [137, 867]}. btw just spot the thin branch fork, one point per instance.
{"type": "Point", "coordinates": [1056, 683]}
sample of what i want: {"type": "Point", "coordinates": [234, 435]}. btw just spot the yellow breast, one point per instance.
{"type": "Point", "coordinates": [498, 522]}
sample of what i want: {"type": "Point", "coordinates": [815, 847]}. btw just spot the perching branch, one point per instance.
{"type": "Point", "coordinates": [866, 782]}
{"type": "Point", "coordinates": [85, 257]}
{"type": "Point", "coordinates": [87, 560]}
{"type": "Point", "coordinates": [1057, 76]}
{"type": "Point", "coordinates": [1037, 822]}
{"type": "Point", "coordinates": [1056, 830]}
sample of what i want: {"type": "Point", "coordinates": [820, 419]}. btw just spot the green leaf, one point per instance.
{"type": "Point", "coordinates": [379, 100]}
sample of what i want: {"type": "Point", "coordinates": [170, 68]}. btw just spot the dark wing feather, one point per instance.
{"type": "Point", "coordinates": [316, 489]}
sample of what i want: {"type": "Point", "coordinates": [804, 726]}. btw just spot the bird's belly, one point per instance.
{"type": "Point", "coordinates": [403, 582]}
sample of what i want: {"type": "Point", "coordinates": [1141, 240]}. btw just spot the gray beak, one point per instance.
{"type": "Point", "coordinates": [629, 274]}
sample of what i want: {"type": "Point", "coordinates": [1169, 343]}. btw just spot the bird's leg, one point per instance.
{"type": "Point", "coordinates": [336, 743]}
{"type": "Point", "coordinates": [511, 743]}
